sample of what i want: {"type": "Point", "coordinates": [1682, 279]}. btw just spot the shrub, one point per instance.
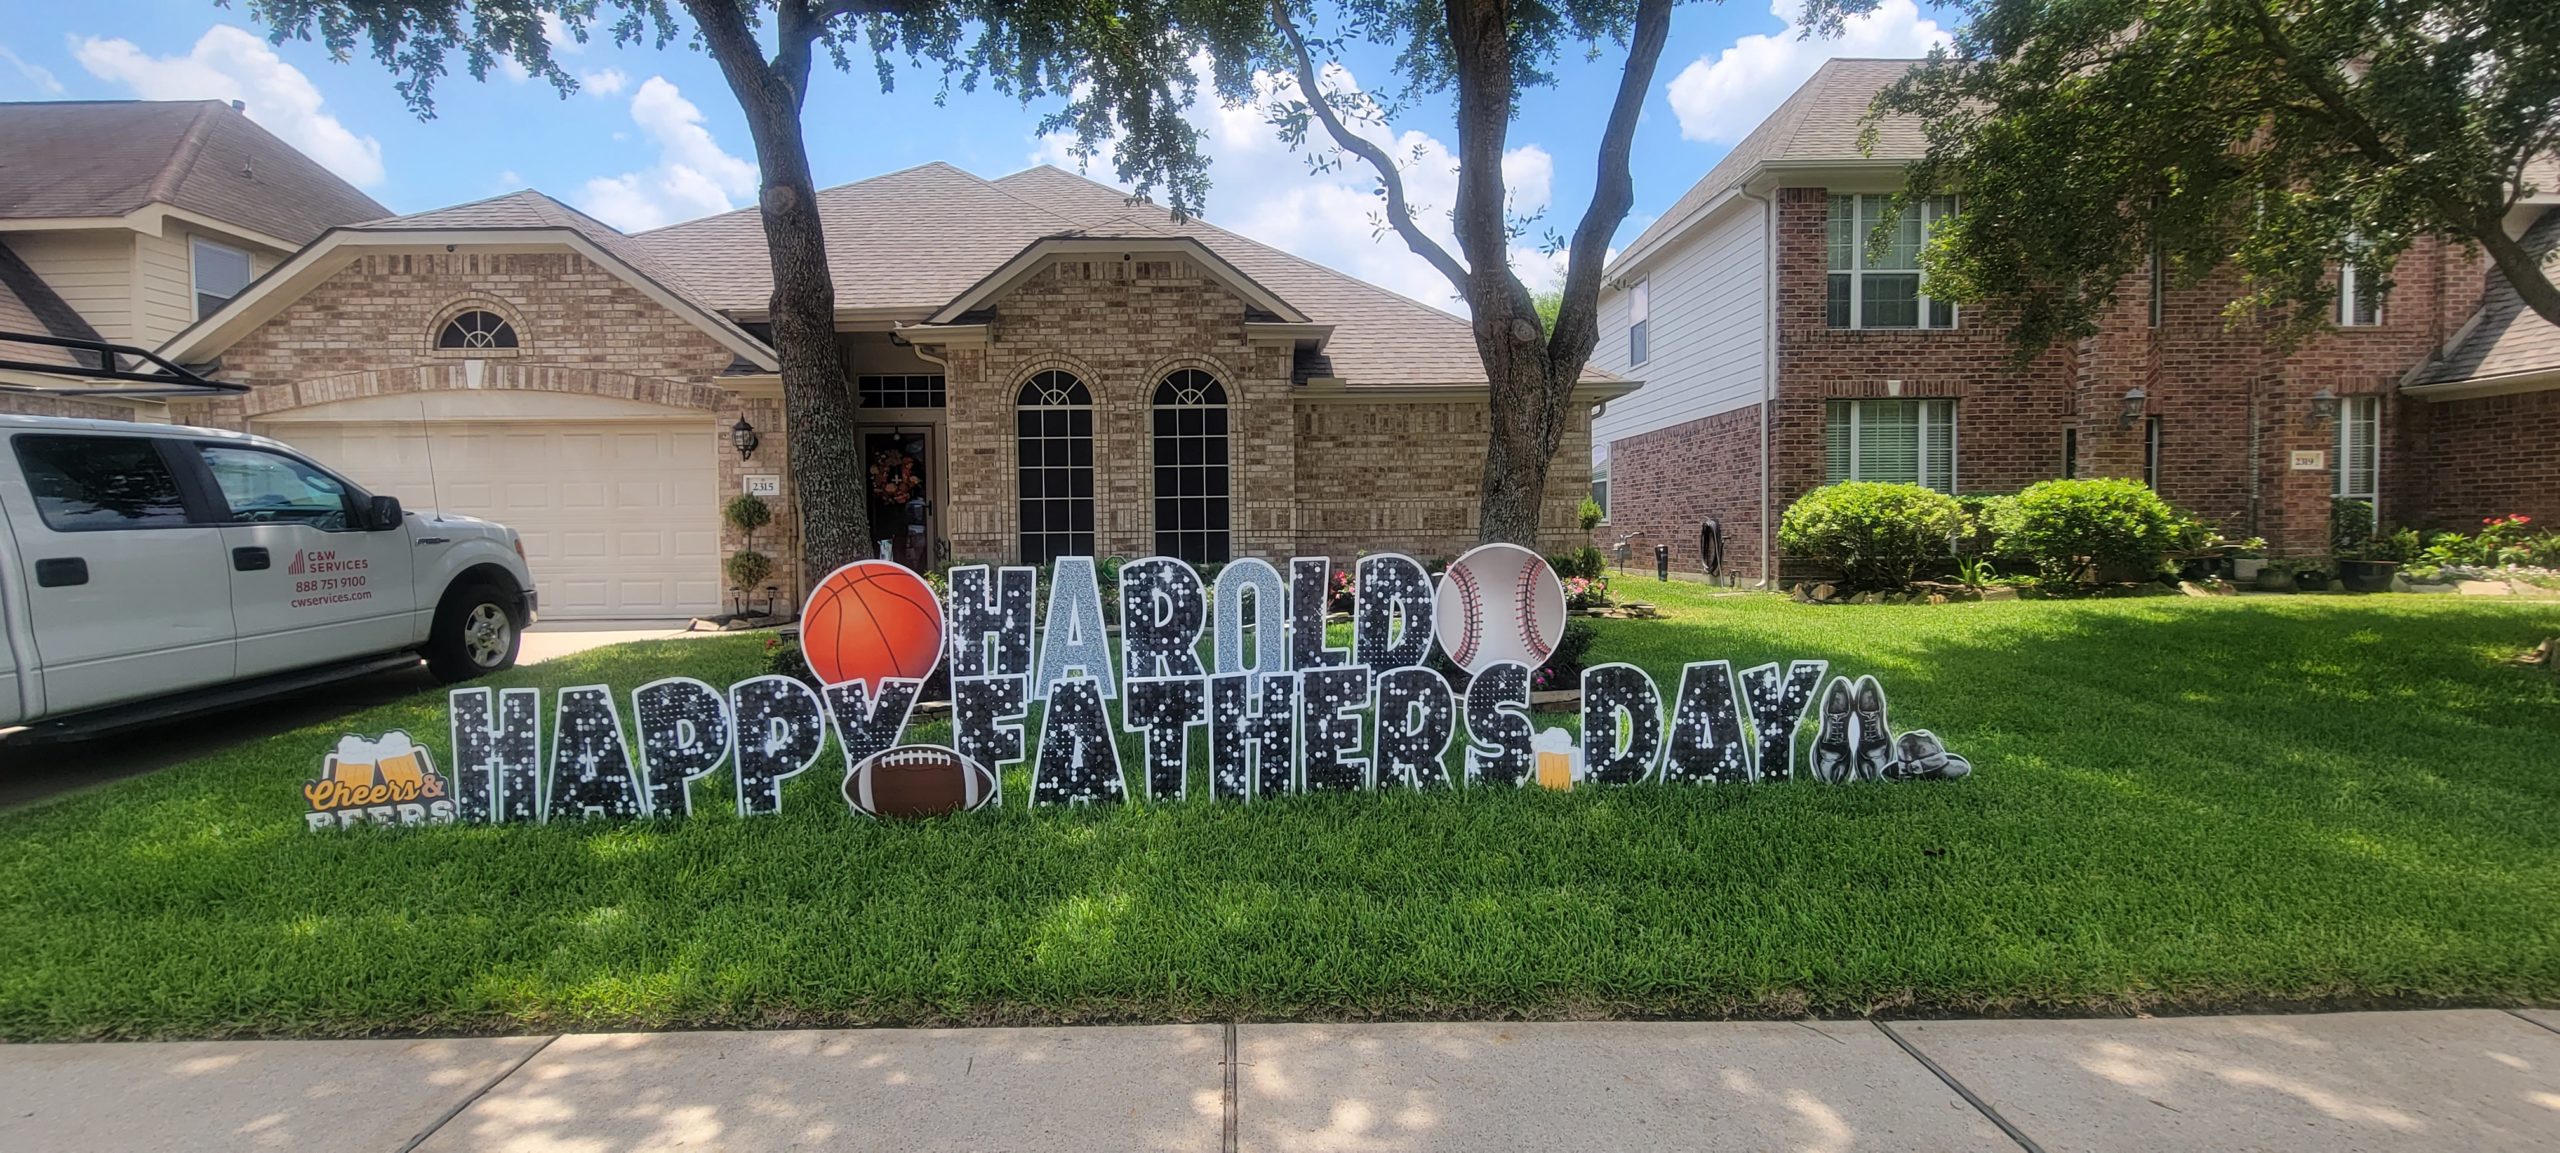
{"type": "Point", "coordinates": [1586, 562]}
{"type": "Point", "coordinates": [747, 570]}
{"type": "Point", "coordinates": [746, 513]}
{"type": "Point", "coordinates": [2119, 527]}
{"type": "Point", "coordinates": [2350, 526]}
{"type": "Point", "coordinates": [1591, 514]}
{"type": "Point", "coordinates": [1877, 535]}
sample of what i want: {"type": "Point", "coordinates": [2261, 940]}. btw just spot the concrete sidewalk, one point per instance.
{"type": "Point", "coordinates": [2469, 1080]}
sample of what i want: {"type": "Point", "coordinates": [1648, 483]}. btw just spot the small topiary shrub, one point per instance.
{"type": "Point", "coordinates": [1587, 562]}
{"type": "Point", "coordinates": [2120, 528]}
{"type": "Point", "coordinates": [1879, 536]}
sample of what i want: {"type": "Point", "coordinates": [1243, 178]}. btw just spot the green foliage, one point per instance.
{"type": "Point", "coordinates": [747, 570]}
{"type": "Point", "coordinates": [2120, 527]}
{"type": "Point", "coordinates": [2141, 767]}
{"type": "Point", "coordinates": [1590, 513]}
{"type": "Point", "coordinates": [2281, 138]}
{"type": "Point", "coordinates": [1879, 536]}
{"type": "Point", "coordinates": [1586, 562]}
{"type": "Point", "coordinates": [747, 512]}
{"type": "Point", "coordinates": [2350, 527]}
{"type": "Point", "coordinates": [1549, 304]}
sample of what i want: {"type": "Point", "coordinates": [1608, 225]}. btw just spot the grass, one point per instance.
{"type": "Point", "coordinates": [2177, 805]}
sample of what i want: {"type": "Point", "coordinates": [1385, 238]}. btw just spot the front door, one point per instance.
{"type": "Point", "coordinates": [309, 584]}
{"type": "Point", "coordinates": [905, 523]}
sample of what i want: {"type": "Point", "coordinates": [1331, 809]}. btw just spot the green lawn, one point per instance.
{"type": "Point", "coordinates": [2176, 804]}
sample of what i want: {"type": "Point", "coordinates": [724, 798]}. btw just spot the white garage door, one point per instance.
{"type": "Point", "coordinates": [620, 518]}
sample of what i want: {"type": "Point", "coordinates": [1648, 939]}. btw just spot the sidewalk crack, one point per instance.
{"type": "Point", "coordinates": [476, 1094]}
{"type": "Point", "coordinates": [1984, 1107]}
{"type": "Point", "coordinates": [1228, 1143]}
{"type": "Point", "coordinates": [2539, 1024]}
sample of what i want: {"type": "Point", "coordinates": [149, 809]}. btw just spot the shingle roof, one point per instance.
{"type": "Point", "coordinates": [1379, 337]}
{"type": "Point", "coordinates": [911, 239]}
{"type": "Point", "coordinates": [108, 158]}
{"type": "Point", "coordinates": [528, 209]}
{"type": "Point", "coordinates": [1823, 120]}
{"type": "Point", "coordinates": [2508, 339]}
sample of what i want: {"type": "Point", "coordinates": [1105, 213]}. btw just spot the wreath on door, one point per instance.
{"type": "Point", "coordinates": [893, 477]}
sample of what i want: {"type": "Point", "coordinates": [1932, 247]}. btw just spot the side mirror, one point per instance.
{"type": "Point", "coordinates": [382, 513]}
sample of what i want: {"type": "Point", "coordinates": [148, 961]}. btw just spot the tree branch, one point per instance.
{"type": "Point", "coordinates": [1399, 212]}
{"type": "Point", "coordinates": [1614, 192]}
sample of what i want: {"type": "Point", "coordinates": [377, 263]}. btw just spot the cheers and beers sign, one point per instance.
{"type": "Point", "coordinates": [1243, 658]}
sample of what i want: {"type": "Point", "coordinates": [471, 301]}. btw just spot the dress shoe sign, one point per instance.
{"type": "Point", "coordinates": [1235, 675]}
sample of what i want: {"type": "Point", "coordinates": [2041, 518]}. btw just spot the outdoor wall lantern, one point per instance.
{"type": "Point", "coordinates": [2324, 408]}
{"type": "Point", "coordinates": [2134, 402]}
{"type": "Point", "coordinates": [743, 435]}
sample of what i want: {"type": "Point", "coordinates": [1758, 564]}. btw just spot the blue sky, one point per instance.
{"type": "Point", "coordinates": [654, 136]}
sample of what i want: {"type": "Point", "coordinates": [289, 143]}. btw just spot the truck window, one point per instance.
{"type": "Point", "coordinates": [264, 488]}
{"type": "Point", "coordinates": [87, 483]}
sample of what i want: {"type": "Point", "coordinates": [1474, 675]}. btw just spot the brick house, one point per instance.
{"type": "Point", "coordinates": [1778, 361]}
{"type": "Point", "coordinates": [1041, 367]}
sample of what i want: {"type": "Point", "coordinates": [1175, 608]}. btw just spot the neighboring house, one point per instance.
{"type": "Point", "coordinates": [126, 221]}
{"type": "Point", "coordinates": [1042, 369]}
{"type": "Point", "coordinates": [1778, 360]}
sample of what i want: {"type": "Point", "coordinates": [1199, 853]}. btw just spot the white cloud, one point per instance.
{"type": "Point", "coordinates": [603, 82]}
{"type": "Point", "coordinates": [35, 74]}
{"type": "Point", "coordinates": [563, 41]}
{"type": "Point", "coordinates": [1263, 190]}
{"type": "Point", "coordinates": [693, 176]}
{"type": "Point", "coordinates": [1721, 100]}
{"type": "Point", "coordinates": [229, 63]}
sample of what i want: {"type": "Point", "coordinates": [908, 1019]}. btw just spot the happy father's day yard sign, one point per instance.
{"type": "Point", "coordinates": [1282, 707]}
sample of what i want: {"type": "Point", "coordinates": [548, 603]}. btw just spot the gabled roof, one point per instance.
{"type": "Point", "coordinates": [515, 218]}
{"type": "Point", "coordinates": [108, 158]}
{"type": "Point", "coordinates": [1821, 122]}
{"type": "Point", "coordinates": [2504, 339]}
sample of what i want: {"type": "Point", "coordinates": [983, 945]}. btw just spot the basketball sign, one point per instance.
{"type": "Point", "coordinates": [869, 621]}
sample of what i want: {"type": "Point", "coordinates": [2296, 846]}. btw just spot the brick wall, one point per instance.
{"type": "Point", "coordinates": [30, 404]}
{"type": "Point", "coordinates": [2462, 460]}
{"type": "Point", "coordinates": [1665, 483]}
{"type": "Point", "coordinates": [1309, 474]}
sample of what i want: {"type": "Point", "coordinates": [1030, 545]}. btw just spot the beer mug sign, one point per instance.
{"type": "Point", "coordinates": [385, 780]}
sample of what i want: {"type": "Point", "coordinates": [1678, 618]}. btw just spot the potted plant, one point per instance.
{"type": "Point", "coordinates": [2248, 559]}
{"type": "Point", "coordinates": [2364, 561]}
{"type": "Point", "coordinates": [2275, 576]}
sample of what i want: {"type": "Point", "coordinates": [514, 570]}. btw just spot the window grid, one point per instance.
{"type": "Point", "coordinates": [219, 271]}
{"type": "Point", "coordinates": [2155, 286]}
{"type": "Point", "coordinates": [2151, 451]}
{"type": "Point", "coordinates": [2359, 471]}
{"type": "Point", "coordinates": [1193, 503]}
{"type": "Point", "coordinates": [1895, 441]}
{"type": "Point", "coordinates": [2359, 297]}
{"type": "Point", "coordinates": [1639, 322]}
{"type": "Point", "coordinates": [1053, 426]}
{"type": "Point", "coordinates": [477, 328]}
{"type": "Point", "coordinates": [917, 390]}
{"type": "Point", "coordinates": [1880, 288]}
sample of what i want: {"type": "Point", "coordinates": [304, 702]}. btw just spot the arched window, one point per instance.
{"type": "Point", "coordinates": [1191, 467]}
{"type": "Point", "coordinates": [477, 328]}
{"type": "Point", "coordinates": [1053, 432]}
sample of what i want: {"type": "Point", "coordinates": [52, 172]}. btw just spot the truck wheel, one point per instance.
{"type": "Point", "coordinates": [474, 634]}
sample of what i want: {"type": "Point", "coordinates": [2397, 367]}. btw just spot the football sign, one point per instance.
{"type": "Point", "coordinates": [1236, 676]}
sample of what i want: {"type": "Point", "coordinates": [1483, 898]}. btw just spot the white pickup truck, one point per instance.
{"type": "Point", "coordinates": [150, 571]}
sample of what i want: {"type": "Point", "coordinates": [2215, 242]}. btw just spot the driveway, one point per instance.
{"type": "Point", "coordinates": [36, 772]}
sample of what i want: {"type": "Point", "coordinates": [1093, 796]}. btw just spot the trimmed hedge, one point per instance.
{"type": "Point", "coordinates": [1879, 536]}
{"type": "Point", "coordinates": [2120, 528]}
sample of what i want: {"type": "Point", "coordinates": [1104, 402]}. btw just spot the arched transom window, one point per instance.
{"type": "Point", "coordinates": [1053, 434]}
{"type": "Point", "coordinates": [477, 328]}
{"type": "Point", "coordinates": [1191, 467]}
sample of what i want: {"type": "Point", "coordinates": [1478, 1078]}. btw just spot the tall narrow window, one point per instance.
{"type": "Point", "coordinates": [1053, 437]}
{"type": "Point", "coordinates": [1191, 467]}
{"type": "Point", "coordinates": [2359, 296]}
{"type": "Point", "coordinates": [2151, 451]}
{"type": "Point", "coordinates": [1639, 319]}
{"type": "Point", "coordinates": [2360, 449]}
{"type": "Point", "coordinates": [1898, 441]}
{"type": "Point", "coordinates": [1878, 285]}
{"type": "Point", "coordinates": [1600, 488]}
{"type": "Point", "coordinates": [2070, 454]}
{"type": "Point", "coordinates": [2155, 286]}
{"type": "Point", "coordinates": [221, 271]}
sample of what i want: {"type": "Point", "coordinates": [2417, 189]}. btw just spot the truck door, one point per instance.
{"type": "Point", "coordinates": [127, 594]}
{"type": "Point", "coordinates": [309, 583]}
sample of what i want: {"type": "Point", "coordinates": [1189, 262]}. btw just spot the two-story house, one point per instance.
{"type": "Point", "coordinates": [128, 220]}
{"type": "Point", "coordinates": [1782, 352]}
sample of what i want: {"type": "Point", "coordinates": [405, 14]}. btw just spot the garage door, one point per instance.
{"type": "Point", "coordinates": [620, 518]}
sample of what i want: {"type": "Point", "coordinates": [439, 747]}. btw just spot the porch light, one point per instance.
{"type": "Point", "coordinates": [743, 435]}
{"type": "Point", "coordinates": [2134, 402]}
{"type": "Point", "coordinates": [2324, 408]}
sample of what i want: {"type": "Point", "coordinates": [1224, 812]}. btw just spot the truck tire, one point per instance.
{"type": "Point", "coordinates": [474, 633]}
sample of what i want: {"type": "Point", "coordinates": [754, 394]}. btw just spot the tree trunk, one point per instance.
{"type": "Point", "coordinates": [824, 457]}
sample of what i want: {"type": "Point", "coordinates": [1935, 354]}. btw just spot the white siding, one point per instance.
{"type": "Point", "coordinates": [164, 298]}
{"type": "Point", "coordinates": [1708, 332]}
{"type": "Point", "coordinates": [91, 271]}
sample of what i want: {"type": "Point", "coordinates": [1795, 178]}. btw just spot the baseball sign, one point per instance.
{"type": "Point", "coordinates": [1133, 688]}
